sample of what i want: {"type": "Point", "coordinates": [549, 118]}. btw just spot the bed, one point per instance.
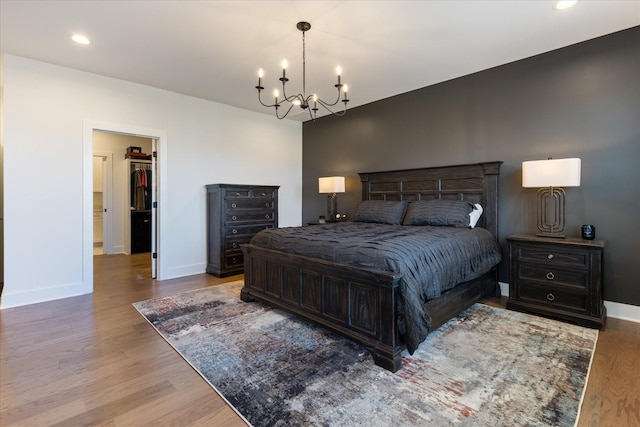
{"type": "Point", "coordinates": [349, 278]}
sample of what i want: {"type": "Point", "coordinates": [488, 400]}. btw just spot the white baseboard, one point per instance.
{"type": "Point", "coordinates": [33, 296]}
{"type": "Point", "coordinates": [623, 311]}
{"type": "Point", "coordinates": [504, 289]}
{"type": "Point", "coordinates": [614, 309]}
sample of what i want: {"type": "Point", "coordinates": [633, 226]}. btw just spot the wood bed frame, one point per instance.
{"type": "Point", "coordinates": [360, 303]}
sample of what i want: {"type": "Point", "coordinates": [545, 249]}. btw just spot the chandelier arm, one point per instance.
{"type": "Point", "coordinates": [263, 104]}
{"type": "Point", "coordinates": [285, 114]}
{"type": "Point", "coordinates": [328, 104]}
{"type": "Point", "coordinates": [339, 113]}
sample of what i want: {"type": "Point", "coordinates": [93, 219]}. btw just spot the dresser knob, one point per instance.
{"type": "Point", "coordinates": [267, 216]}
{"type": "Point", "coordinates": [550, 256]}
{"type": "Point", "coordinates": [233, 205]}
{"type": "Point", "coordinates": [550, 296]}
{"type": "Point", "coordinates": [234, 217]}
{"type": "Point", "coordinates": [267, 205]}
{"type": "Point", "coordinates": [550, 276]}
{"type": "Point", "coordinates": [234, 245]}
{"type": "Point", "coordinates": [234, 231]}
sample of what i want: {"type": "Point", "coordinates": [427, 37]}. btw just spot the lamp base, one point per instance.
{"type": "Point", "coordinates": [551, 212]}
{"type": "Point", "coordinates": [332, 207]}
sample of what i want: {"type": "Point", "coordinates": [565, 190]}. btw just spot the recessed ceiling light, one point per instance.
{"type": "Point", "coordinates": [80, 39]}
{"type": "Point", "coordinates": [564, 4]}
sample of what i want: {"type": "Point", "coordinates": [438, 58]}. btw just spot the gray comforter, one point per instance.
{"type": "Point", "coordinates": [430, 259]}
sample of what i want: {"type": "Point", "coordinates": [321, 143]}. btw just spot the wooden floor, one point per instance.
{"type": "Point", "coordinates": [93, 360]}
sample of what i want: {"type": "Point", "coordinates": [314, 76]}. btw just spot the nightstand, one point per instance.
{"type": "Point", "coordinates": [560, 278]}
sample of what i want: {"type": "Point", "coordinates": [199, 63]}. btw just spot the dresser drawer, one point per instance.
{"type": "Point", "coordinates": [553, 297]}
{"type": "Point", "coordinates": [235, 259]}
{"type": "Point", "coordinates": [246, 230]}
{"type": "Point", "coordinates": [233, 244]}
{"type": "Point", "coordinates": [248, 216]}
{"type": "Point", "coordinates": [237, 194]}
{"type": "Point", "coordinates": [553, 256]}
{"type": "Point", "coordinates": [233, 205]}
{"type": "Point", "coordinates": [261, 193]}
{"type": "Point", "coordinates": [553, 276]}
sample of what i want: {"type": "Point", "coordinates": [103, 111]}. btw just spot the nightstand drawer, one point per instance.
{"type": "Point", "coordinates": [553, 298]}
{"type": "Point", "coordinates": [553, 276]}
{"type": "Point", "coordinates": [553, 256]}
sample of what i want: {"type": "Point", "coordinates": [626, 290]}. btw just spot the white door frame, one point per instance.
{"type": "Point", "coordinates": [88, 126]}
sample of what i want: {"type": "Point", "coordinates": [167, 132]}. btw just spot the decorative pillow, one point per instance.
{"type": "Point", "coordinates": [440, 212]}
{"type": "Point", "coordinates": [475, 214]}
{"type": "Point", "coordinates": [381, 211]}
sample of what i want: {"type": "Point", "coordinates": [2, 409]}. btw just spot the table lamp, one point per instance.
{"type": "Point", "coordinates": [331, 185]}
{"type": "Point", "coordinates": [550, 176]}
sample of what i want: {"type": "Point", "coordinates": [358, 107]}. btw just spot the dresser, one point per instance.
{"type": "Point", "coordinates": [235, 213]}
{"type": "Point", "coordinates": [560, 278]}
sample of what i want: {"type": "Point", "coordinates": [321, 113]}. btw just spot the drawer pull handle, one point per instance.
{"type": "Point", "coordinates": [235, 245]}
{"type": "Point", "coordinates": [264, 194]}
{"type": "Point", "coordinates": [233, 205]}
{"type": "Point", "coordinates": [267, 216]}
{"type": "Point", "coordinates": [550, 296]}
{"type": "Point", "coordinates": [234, 231]}
{"type": "Point", "coordinates": [234, 217]}
{"type": "Point", "coordinates": [550, 276]}
{"type": "Point", "coordinates": [267, 205]}
{"type": "Point", "coordinates": [550, 256]}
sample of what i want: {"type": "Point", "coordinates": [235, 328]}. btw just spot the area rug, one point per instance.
{"type": "Point", "coordinates": [486, 367]}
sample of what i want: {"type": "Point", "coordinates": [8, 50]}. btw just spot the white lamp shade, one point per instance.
{"type": "Point", "coordinates": [331, 184]}
{"type": "Point", "coordinates": [551, 173]}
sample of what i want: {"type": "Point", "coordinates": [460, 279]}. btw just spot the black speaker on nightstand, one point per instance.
{"type": "Point", "coordinates": [588, 232]}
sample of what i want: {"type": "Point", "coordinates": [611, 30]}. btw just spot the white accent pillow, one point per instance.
{"type": "Point", "coordinates": [475, 214]}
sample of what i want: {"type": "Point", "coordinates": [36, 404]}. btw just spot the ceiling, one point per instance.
{"type": "Point", "coordinates": [213, 49]}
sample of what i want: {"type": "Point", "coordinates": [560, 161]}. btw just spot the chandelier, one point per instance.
{"type": "Point", "coordinates": [304, 101]}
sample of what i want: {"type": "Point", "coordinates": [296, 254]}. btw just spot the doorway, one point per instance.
{"type": "Point", "coordinates": [123, 221]}
{"type": "Point", "coordinates": [115, 186]}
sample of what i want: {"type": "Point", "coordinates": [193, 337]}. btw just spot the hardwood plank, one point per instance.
{"type": "Point", "coordinates": [93, 360]}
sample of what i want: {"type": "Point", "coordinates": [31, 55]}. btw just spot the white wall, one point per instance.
{"type": "Point", "coordinates": [44, 110]}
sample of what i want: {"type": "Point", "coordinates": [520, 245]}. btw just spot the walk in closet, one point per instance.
{"type": "Point", "coordinates": [140, 187]}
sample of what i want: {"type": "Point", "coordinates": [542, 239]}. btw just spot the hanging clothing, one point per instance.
{"type": "Point", "coordinates": [141, 187]}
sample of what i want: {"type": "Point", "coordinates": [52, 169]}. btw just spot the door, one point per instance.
{"type": "Point", "coordinates": [154, 207]}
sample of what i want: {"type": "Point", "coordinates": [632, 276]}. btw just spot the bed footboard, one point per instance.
{"type": "Point", "coordinates": [355, 302]}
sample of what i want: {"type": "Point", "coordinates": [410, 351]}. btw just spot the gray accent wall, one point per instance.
{"type": "Point", "coordinates": [579, 101]}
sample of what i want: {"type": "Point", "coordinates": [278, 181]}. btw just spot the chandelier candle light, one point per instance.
{"type": "Point", "coordinates": [302, 99]}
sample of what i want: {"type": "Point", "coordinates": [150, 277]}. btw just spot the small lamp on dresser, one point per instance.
{"type": "Point", "coordinates": [549, 176]}
{"type": "Point", "coordinates": [331, 185]}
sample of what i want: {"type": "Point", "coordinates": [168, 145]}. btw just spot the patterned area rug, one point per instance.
{"type": "Point", "coordinates": [488, 366]}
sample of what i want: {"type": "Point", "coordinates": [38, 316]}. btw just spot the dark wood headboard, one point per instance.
{"type": "Point", "coordinates": [476, 183]}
